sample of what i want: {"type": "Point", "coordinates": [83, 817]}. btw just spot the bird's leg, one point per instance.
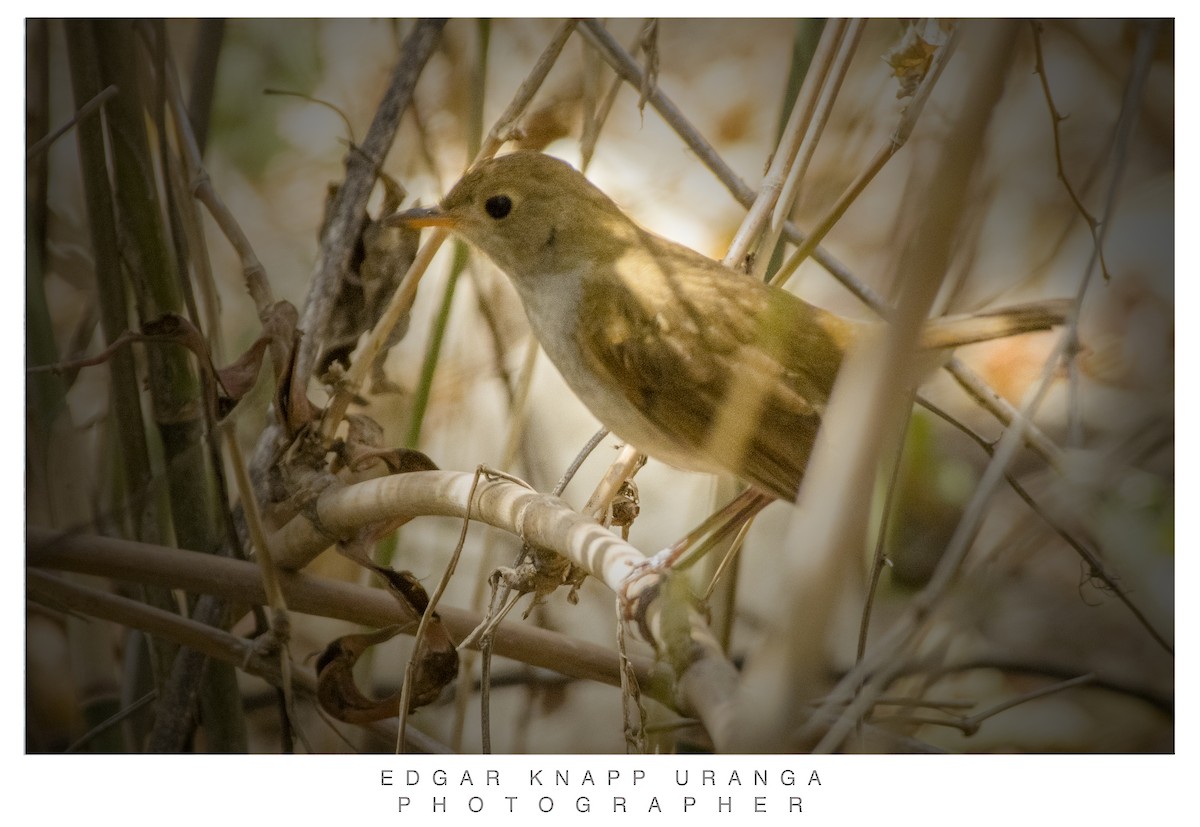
{"type": "Point", "coordinates": [646, 582]}
{"type": "Point", "coordinates": [720, 524]}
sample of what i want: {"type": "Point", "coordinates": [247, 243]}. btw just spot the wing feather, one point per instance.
{"type": "Point", "coordinates": [731, 371]}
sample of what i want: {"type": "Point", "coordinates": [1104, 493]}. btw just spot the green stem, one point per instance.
{"type": "Point", "coordinates": [155, 275]}
{"type": "Point", "coordinates": [433, 350]}
{"type": "Point", "coordinates": [438, 334]}
{"type": "Point", "coordinates": [126, 394]}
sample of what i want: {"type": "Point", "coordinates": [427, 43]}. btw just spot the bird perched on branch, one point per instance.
{"type": "Point", "coordinates": [658, 340]}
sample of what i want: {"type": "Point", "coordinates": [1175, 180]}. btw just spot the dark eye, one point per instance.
{"type": "Point", "coordinates": [498, 206]}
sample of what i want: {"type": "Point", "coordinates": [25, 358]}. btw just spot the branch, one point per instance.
{"type": "Point", "coordinates": [212, 642]}
{"type": "Point", "coordinates": [241, 582]}
{"type": "Point", "coordinates": [706, 678]}
{"type": "Point", "coordinates": [349, 207]}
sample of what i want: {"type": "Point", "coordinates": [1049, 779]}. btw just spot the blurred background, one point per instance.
{"type": "Point", "coordinates": [290, 97]}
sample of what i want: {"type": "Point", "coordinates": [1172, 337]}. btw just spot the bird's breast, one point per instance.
{"type": "Point", "coordinates": [553, 305]}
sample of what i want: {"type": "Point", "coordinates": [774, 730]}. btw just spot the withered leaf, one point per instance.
{"type": "Point", "coordinates": [380, 258]}
{"type": "Point", "coordinates": [337, 692]}
{"type": "Point", "coordinates": [435, 660]}
{"type": "Point", "coordinates": [292, 406]}
{"type": "Point", "coordinates": [398, 460]}
{"type": "Point", "coordinates": [239, 377]}
{"type": "Point", "coordinates": [911, 57]}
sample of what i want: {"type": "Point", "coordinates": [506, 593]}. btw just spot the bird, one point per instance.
{"type": "Point", "coordinates": [691, 362]}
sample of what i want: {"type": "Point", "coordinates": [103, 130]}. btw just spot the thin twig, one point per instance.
{"type": "Point", "coordinates": [1056, 120]}
{"type": "Point", "coordinates": [970, 724]}
{"type": "Point", "coordinates": [878, 558]}
{"type": "Point", "coordinates": [1122, 132]}
{"type": "Point", "coordinates": [111, 721]}
{"type": "Point", "coordinates": [202, 189]}
{"type": "Point", "coordinates": [784, 156]}
{"type": "Point", "coordinates": [583, 454]}
{"type": "Point", "coordinates": [791, 187]}
{"type": "Point", "coordinates": [287, 93]}
{"type": "Point", "coordinates": [86, 111]}
{"type": "Point", "coordinates": [594, 121]}
{"type": "Point", "coordinates": [1002, 410]}
{"type": "Point", "coordinates": [410, 671]}
{"type": "Point", "coordinates": [348, 211]}
{"type": "Point", "coordinates": [726, 563]}
{"type": "Point", "coordinates": [280, 624]}
{"type": "Point", "coordinates": [1096, 566]}
{"type": "Point", "coordinates": [1161, 702]}
{"type": "Point", "coordinates": [631, 696]}
{"type": "Point", "coordinates": [520, 408]}
{"type": "Point", "coordinates": [894, 143]}
{"type": "Point", "coordinates": [180, 172]}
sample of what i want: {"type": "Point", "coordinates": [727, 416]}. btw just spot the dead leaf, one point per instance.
{"type": "Point", "coordinates": [337, 692]}
{"type": "Point", "coordinates": [292, 406]}
{"type": "Point", "coordinates": [436, 659]}
{"type": "Point", "coordinates": [911, 57]}
{"type": "Point", "coordinates": [380, 260]}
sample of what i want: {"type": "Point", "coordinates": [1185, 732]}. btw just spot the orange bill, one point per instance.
{"type": "Point", "coordinates": [420, 217]}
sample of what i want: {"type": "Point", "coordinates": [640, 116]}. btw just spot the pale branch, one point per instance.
{"type": "Point", "coordinates": [893, 144]}
{"type": "Point", "coordinates": [784, 156]}
{"type": "Point", "coordinates": [86, 111]}
{"type": "Point", "coordinates": [817, 122]}
{"type": "Point", "coordinates": [705, 676]}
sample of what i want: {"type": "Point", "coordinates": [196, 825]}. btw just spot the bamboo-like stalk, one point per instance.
{"type": "Point", "coordinates": [820, 117]}
{"type": "Point", "coordinates": [196, 510]}
{"type": "Point", "coordinates": [784, 156]}
{"type": "Point", "coordinates": [142, 517]}
{"type": "Point", "coordinates": [47, 412]}
{"type": "Point", "coordinates": [102, 226]}
{"type": "Point", "coordinates": [175, 387]}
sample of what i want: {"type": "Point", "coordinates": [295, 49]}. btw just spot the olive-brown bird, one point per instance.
{"type": "Point", "coordinates": [689, 361]}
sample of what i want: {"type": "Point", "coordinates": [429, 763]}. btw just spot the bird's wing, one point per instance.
{"type": "Point", "coordinates": [734, 372]}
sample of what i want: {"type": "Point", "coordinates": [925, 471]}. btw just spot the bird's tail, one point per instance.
{"type": "Point", "coordinates": [955, 331]}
